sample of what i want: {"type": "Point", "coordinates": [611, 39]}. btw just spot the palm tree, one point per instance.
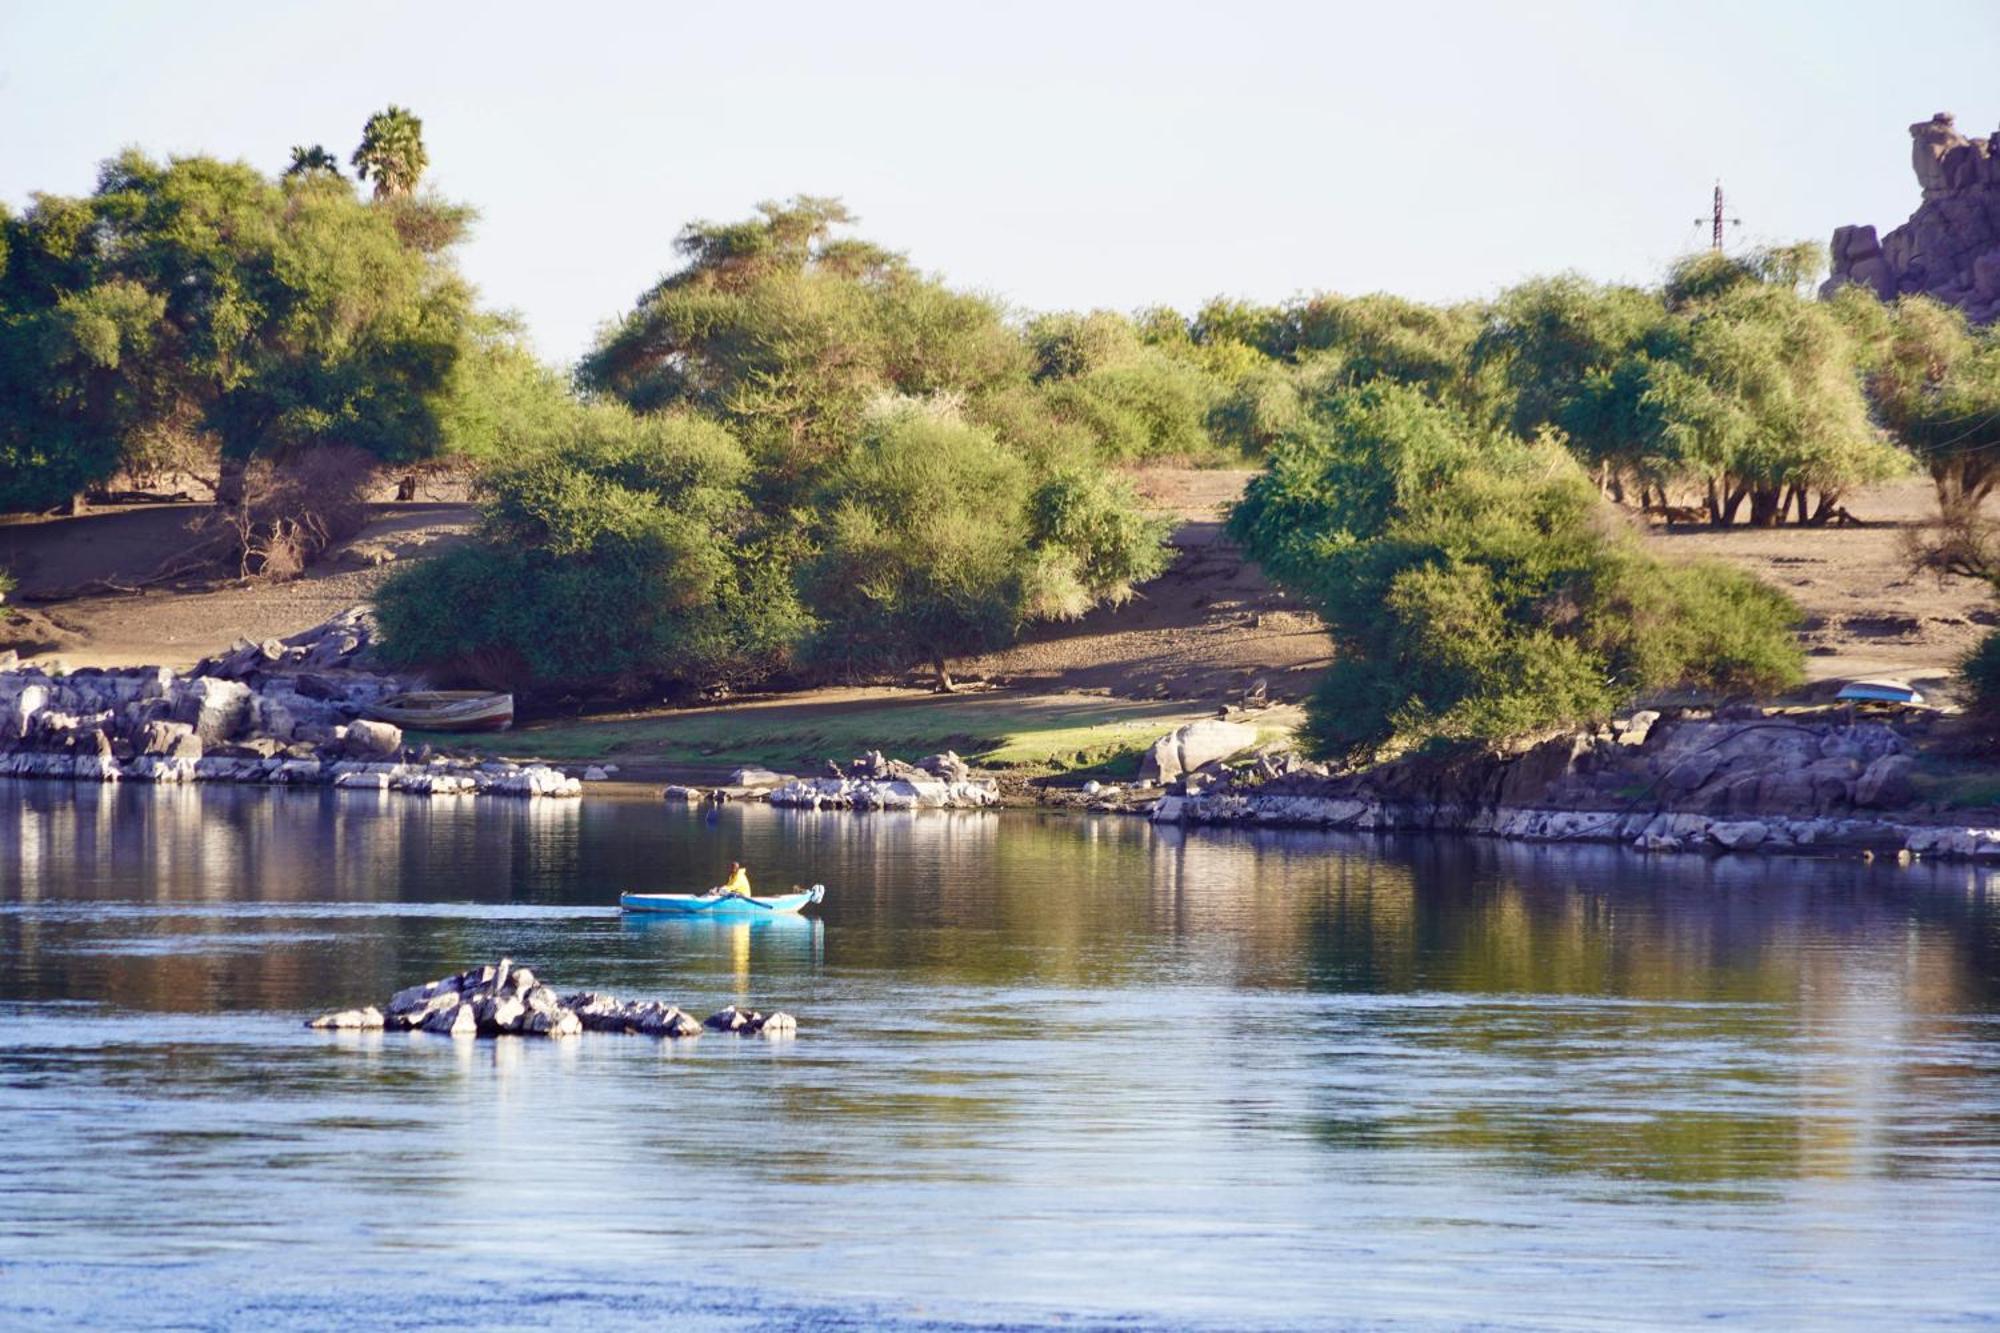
{"type": "Point", "coordinates": [392, 151]}
{"type": "Point", "coordinates": [312, 161]}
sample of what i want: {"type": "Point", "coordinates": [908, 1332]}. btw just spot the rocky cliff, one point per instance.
{"type": "Point", "coordinates": [1950, 247]}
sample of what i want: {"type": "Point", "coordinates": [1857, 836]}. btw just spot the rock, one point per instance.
{"type": "Point", "coordinates": [730, 1019]}
{"type": "Point", "coordinates": [1694, 771]}
{"type": "Point", "coordinates": [1741, 835]}
{"type": "Point", "coordinates": [502, 1014]}
{"type": "Point", "coordinates": [521, 981]}
{"type": "Point", "coordinates": [442, 1018]}
{"type": "Point", "coordinates": [1950, 246]}
{"type": "Point", "coordinates": [370, 1017]}
{"type": "Point", "coordinates": [757, 777]}
{"type": "Point", "coordinates": [216, 709]}
{"type": "Point", "coordinates": [1885, 783]}
{"type": "Point", "coordinates": [169, 740]}
{"type": "Point", "coordinates": [1187, 748]}
{"type": "Point", "coordinates": [595, 774]}
{"type": "Point", "coordinates": [366, 737]}
{"type": "Point", "coordinates": [411, 998]}
{"type": "Point", "coordinates": [779, 1025]}
{"type": "Point", "coordinates": [561, 1023]}
{"type": "Point", "coordinates": [947, 766]}
{"type": "Point", "coordinates": [1635, 729]}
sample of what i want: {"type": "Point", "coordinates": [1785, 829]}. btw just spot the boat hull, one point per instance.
{"type": "Point", "coordinates": [727, 905]}
{"type": "Point", "coordinates": [446, 710]}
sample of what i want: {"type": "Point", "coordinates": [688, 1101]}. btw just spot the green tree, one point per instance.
{"type": "Point", "coordinates": [312, 161]}
{"type": "Point", "coordinates": [938, 541]}
{"type": "Point", "coordinates": [202, 303]}
{"type": "Point", "coordinates": [1763, 403]}
{"type": "Point", "coordinates": [1730, 378]}
{"type": "Point", "coordinates": [616, 554]}
{"type": "Point", "coordinates": [1474, 587]}
{"type": "Point", "coordinates": [1577, 355]}
{"type": "Point", "coordinates": [1935, 384]}
{"type": "Point", "coordinates": [790, 333]}
{"type": "Point", "coordinates": [392, 152]}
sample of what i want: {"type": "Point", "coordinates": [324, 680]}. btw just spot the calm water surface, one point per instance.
{"type": "Point", "coordinates": [1048, 1068]}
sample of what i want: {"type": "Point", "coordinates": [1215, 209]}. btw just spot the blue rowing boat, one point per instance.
{"type": "Point", "coordinates": [720, 904]}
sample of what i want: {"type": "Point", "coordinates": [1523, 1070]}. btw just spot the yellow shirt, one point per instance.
{"type": "Point", "coordinates": [739, 883]}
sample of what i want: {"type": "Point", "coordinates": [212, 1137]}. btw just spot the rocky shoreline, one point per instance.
{"type": "Point", "coordinates": [871, 782]}
{"type": "Point", "coordinates": [1743, 781]}
{"type": "Point", "coordinates": [504, 1000]}
{"type": "Point", "coordinates": [257, 714]}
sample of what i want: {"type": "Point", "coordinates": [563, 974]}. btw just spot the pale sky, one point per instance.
{"type": "Point", "coordinates": [1057, 156]}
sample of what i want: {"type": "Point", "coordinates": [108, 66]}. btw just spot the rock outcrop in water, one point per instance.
{"type": "Point", "coordinates": [1743, 782]}
{"type": "Point", "coordinates": [1950, 247]}
{"type": "Point", "coordinates": [503, 1000]}
{"type": "Point", "coordinates": [232, 722]}
{"type": "Point", "coordinates": [871, 782]}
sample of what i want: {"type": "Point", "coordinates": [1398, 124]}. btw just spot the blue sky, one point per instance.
{"type": "Point", "coordinates": [1055, 155]}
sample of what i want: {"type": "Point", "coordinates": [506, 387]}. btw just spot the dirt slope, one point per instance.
{"type": "Point", "coordinates": [177, 627]}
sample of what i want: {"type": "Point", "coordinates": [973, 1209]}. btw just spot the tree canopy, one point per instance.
{"type": "Point", "coordinates": [1477, 587]}
{"type": "Point", "coordinates": [196, 308]}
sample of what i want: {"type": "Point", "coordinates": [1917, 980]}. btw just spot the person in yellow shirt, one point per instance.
{"type": "Point", "coordinates": [738, 882]}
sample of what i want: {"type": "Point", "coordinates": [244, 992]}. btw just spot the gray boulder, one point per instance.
{"type": "Point", "coordinates": [1740, 835]}
{"type": "Point", "coordinates": [169, 740]}
{"type": "Point", "coordinates": [947, 766]}
{"type": "Point", "coordinates": [217, 709]}
{"type": "Point", "coordinates": [1885, 783]}
{"type": "Point", "coordinates": [366, 737]}
{"type": "Point", "coordinates": [1187, 748]}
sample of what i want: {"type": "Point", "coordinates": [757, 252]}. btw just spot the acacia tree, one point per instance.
{"type": "Point", "coordinates": [1729, 378]}
{"type": "Point", "coordinates": [937, 541]}
{"type": "Point", "coordinates": [392, 152]}
{"type": "Point", "coordinates": [203, 303]}
{"type": "Point", "coordinates": [1577, 355]}
{"type": "Point", "coordinates": [1474, 591]}
{"type": "Point", "coordinates": [1935, 383]}
{"type": "Point", "coordinates": [789, 333]}
{"type": "Point", "coordinates": [1762, 404]}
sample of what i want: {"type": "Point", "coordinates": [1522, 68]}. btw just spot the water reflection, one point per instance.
{"type": "Point", "coordinates": [1026, 1037]}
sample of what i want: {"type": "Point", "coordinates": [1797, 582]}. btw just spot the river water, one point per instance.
{"type": "Point", "coordinates": [1048, 1068]}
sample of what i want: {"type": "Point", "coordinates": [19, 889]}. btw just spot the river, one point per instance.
{"type": "Point", "coordinates": [1049, 1067]}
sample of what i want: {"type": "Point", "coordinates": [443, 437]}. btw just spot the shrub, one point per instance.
{"type": "Point", "coordinates": [938, 540]}
{"type": "Point", "coordinates": [621, 553]}
{"type": "Point", "coordinates": [1981, 669]}
{"type": "Point", "coordinates": [1477, 588]}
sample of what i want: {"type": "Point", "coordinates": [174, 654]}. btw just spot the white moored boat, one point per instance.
{"type": "Point", "coordinates": [446, 710]}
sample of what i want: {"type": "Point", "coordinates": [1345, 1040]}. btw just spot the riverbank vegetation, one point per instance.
{"type": "Point", "coordinates": [799, 457]}
{"type": "Point", "coordinates": [1477, 588]}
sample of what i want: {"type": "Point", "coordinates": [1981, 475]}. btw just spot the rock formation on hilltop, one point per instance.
{"type": "Point", "coordinates": [1950, 247]}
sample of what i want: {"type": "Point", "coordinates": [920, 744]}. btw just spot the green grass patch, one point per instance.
{"type": "Point", "coordinates": [1961, 789]}
{"type": "Point", "coordinates": [1040, 733]}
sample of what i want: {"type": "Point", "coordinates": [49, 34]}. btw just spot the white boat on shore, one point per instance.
{"type": "Point", "coordinates": [445, 710]}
